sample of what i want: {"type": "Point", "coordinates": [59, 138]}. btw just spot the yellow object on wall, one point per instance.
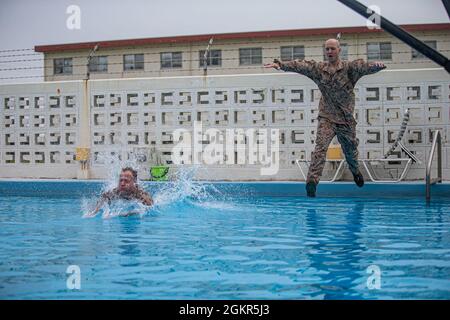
{"type": "Point", "coordinates": [334, 152]}
{"type": "Point", "coordinates": [82, 154]}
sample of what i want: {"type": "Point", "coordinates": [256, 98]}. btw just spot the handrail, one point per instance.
{"type": "Point", "coordinates": [437, 140]}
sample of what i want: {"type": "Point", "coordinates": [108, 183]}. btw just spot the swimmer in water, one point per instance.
{"type": "Point", "coordinates": [128, 189]}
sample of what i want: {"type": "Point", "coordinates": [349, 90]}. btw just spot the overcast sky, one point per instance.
{"type": "Point", "coordinates": [26, 23]}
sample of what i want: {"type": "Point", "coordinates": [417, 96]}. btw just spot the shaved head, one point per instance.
{"type": "Point", "coordinates": [334, 42]}
{"type": "Point", "coordinates": [332, 50]}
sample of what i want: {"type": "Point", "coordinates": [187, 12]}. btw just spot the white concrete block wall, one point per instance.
{"type": "Point", "coordinates": [39, 129]}
{"type": "Point", "coordinates": [129, 115]}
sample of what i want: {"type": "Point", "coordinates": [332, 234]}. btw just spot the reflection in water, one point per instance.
{"type": "Point", "coordinates": [433, 215]}
{"type": "Point", "coordinates": [336, 250]}
{"type": "Point", "coordinates": [129, 241]}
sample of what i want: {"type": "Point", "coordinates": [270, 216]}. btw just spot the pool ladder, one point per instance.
{"type": "Point", "coordinates": [437, 141]}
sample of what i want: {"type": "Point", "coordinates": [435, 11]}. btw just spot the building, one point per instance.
{"type": "Point", "coordinates": [73, 128]}
{"type": "Point", "coordinates": [234, 53]}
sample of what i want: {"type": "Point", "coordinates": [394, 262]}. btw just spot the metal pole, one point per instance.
{"type": "Point", "coordinates": [439, 155]}
{"type": "Point", "coordinates": [205, 57]}
{"type": "Point", "coordinates": [436, 141]}
{"type": "Point", "coordinates": [401, 34]}
{"type": "Point", "coordinates": [85, 127]}
{"type": "Point", "coordinates": [91, 54]}
{"type": "Point", "coordinates": [446, 4]}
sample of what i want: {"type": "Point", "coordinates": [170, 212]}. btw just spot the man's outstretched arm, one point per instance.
{"type": "Point", "coordinates": [361, 68]}
{"type": "Point", "coordinates": [308, 68]}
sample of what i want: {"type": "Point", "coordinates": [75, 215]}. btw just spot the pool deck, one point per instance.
{"type": "Point", "coordinates": [76, 188]}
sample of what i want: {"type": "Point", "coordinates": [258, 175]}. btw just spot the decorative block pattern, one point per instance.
{"type": "Point", "coordinates": [292, 109]}
{"type": "Point", "coordinates": [42, 128]}
{"type": "Point", "coordinates": [39, 129]}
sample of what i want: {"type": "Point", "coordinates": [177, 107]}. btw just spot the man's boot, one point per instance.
{"type": "Point", "coordinates": [311, 189]}
{"type": "Point", "coordinates": [359, 179]}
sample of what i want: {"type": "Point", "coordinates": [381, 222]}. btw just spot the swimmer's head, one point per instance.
{"type": "Point", "coordinates": [332, 50]}
{"type": "Point", "coordinates": [127, 179]}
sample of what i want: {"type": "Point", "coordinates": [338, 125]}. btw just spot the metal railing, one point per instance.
{"type": "Point", "coordinates": [337, 175]}
{"type": "Point", "coordinates": [437, 141]}
{"type": "Point", "coordinates": [367, 163]}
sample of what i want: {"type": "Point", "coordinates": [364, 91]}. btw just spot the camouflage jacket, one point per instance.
{"type": "Point", "coordinates": [114, 194]}
{"type": "Point", "coordinates": [337, 103]}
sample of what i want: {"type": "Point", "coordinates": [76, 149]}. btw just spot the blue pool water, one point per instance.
{"type": "Point", "coordinates": [227, 241]}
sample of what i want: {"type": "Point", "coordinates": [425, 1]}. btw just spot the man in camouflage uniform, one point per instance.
{"type": "Point", "coordinates": [336, 79]}
{"type": "Point", "coordinates": [127, 189]}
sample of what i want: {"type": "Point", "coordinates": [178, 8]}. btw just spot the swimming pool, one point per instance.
{"type": "Point", "coordinates": [227, 241]}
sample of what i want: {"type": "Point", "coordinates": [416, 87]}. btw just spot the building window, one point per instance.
{"type": "Point", "coordinates": [343, 55]}
{"type": "Point", "coordinates": [250, 56]}
{"type": "Point", "coordinates": [62, 66]}
{"type": "Point", "coordinates": [292, 53]}
{"type": "Point", "coordinates": [214, 58]}
{"type": "Point", "coordinates": [171, 60]}
{"type": "Point", "coordinates": [417, 55]}
{"type": "Point", "coordinates": [133, 62]}
{"type": "Point", "coordinates": [98, 64]}
{"type": "Point", "coordinates": [379, 51]}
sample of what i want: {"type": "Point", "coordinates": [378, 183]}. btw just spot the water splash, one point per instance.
{"type": "Point", "coordinates": [184, 191]}
{"type": "Point", "coordinates": [181, 190]}
{"type": "Point", "coordinates": [124, 208]}
{"type": "Point", "coordinates": [87, 206]}
{"type": "Point", "coordinates": [114, 165]}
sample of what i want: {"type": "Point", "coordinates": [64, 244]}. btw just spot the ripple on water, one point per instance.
{"type": "Point", "coordinates": [199, 244]}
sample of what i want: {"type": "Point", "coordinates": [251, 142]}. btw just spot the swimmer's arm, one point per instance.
{"type": "Point", "coordinates": [98, 206]}
{"type": "Point", "coordinates": [146, 199]}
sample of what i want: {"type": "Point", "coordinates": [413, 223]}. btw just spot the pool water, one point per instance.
{"type": "Point", "coordinates": [205, 244]}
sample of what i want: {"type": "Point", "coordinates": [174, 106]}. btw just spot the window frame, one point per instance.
{"type": "Point", "coordinates": [136, 65]}
{"type": "Point", "coordinates": [180, 60]}
{"type": "Point", "coordinates": [292, 53]}
{"type": "Point", "coordinates": [252, 56]}
{"type": "Point", "coordinates": [63, 66]}
{"type": "Point", "coordinates": [380, 51]}
{"type": "Point", "coordinates": [98, 64]}
{"type": "Point", "coordinates": [201, 54]}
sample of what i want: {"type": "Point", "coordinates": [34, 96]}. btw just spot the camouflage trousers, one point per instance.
{"type": "Point", "coordinates": [326, 130]}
